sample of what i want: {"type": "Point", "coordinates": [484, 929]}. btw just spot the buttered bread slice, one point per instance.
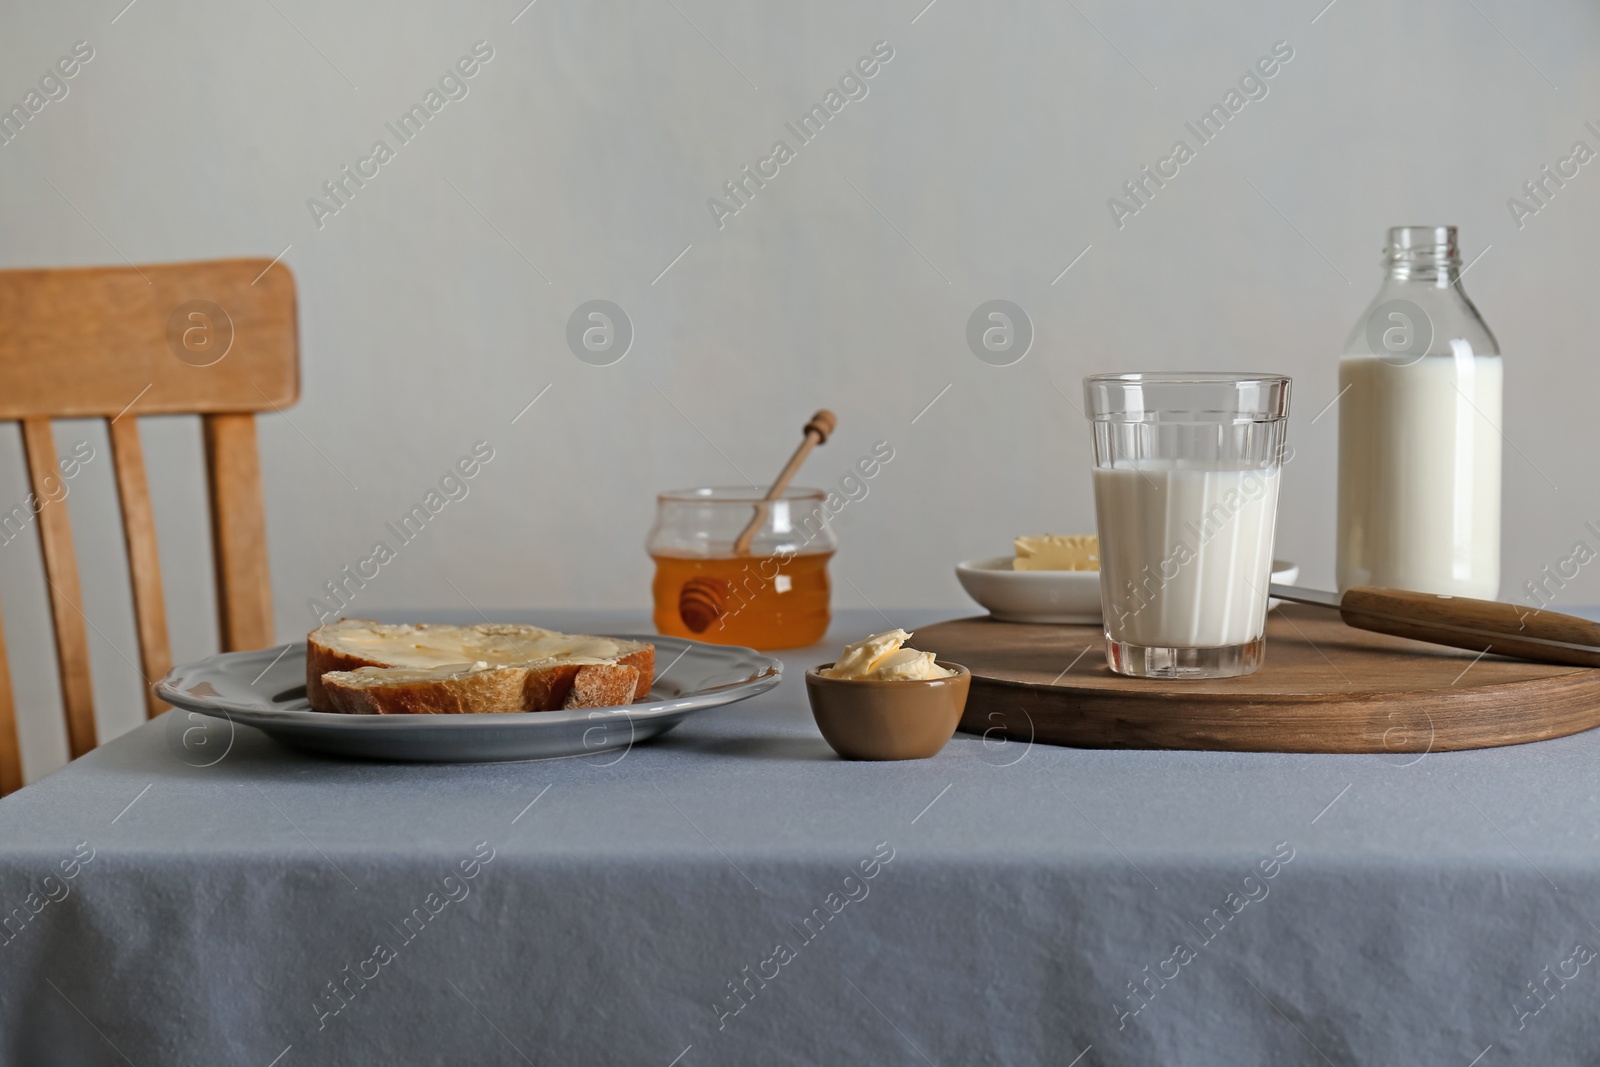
{"type": "Point", "coordinates": [363, 667]}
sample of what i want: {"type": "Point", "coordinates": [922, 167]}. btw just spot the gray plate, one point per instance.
{"type": "Point", "coordinates": [266, 689]}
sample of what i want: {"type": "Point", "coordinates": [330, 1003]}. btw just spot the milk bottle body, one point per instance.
{"type": "Point", "coordinates": [1420, 385]}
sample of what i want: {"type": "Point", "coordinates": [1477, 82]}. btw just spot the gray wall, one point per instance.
{"type": "Point", "coordinates": [434, 305]}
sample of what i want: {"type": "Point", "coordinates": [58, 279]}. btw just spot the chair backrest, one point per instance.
{"type": "Point", "coordinates": [217, 339]}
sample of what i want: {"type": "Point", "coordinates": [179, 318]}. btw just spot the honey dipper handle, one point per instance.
{"type": "Point", "coordinates": [817, 432]}
{"type": "Point", "coordinates": [821, 424]}
{"type": "Point", "coordinates": [1477, 625]}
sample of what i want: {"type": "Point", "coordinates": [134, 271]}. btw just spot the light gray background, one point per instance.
{"type": "Point", "coordinates": [977, 168]}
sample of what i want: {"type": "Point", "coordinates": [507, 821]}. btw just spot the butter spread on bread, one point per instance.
{"type": "Point", "coordinates": [363, 667]}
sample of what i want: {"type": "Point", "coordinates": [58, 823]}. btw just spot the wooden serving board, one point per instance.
{"type": "Point", "coordinates": [1325, 687]}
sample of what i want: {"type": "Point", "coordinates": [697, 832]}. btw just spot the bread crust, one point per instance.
{"type": "Point", "coordinates": [499, 690]}
{"type": "Point", "coordinates": [546, 687]}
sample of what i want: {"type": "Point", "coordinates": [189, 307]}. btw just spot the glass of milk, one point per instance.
{"type": "Point", "coordinates": [1186, 497]}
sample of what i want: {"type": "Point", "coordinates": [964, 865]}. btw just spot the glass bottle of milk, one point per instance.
{"type": "Point", "coordinates": [1419, 430]}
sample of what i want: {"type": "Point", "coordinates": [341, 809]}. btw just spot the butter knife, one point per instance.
{"type": "Point", "coordinates": [1461, 622]}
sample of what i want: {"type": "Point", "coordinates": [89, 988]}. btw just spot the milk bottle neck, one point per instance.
{"type": "Point", "coordinates": [1421, 285]}
{"type": "Point", "coordinates": [1426, 255]}
{"type": "Point", "coordinates": [1438, 273]}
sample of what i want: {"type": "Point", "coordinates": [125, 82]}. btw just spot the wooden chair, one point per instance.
{"type": "Point", "coordinates": [118, 343]}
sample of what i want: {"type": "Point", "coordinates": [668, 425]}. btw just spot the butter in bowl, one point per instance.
{"type": "Point", "coordinates": [884, 701]}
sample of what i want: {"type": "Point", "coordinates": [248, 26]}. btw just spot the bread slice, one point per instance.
{"type": "Point", "coordinates": [363, 667]}
{"type": "Point", "coordinates": [477, 689]}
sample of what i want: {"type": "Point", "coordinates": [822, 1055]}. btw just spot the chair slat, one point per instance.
{"type": "Point", "coordinates": [238, 531]}
{"type": "Point", "coordinates": [10, 743]}
{"type": "Point", "coordinates": [66, 596]}
{"type": "Point", "coordinates": [144, 562]}
{"type": "Point", "coordinates": [171, 337]}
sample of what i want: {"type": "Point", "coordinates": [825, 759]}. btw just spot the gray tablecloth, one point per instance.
{"type": "Point", "coordinates": [733, 894]}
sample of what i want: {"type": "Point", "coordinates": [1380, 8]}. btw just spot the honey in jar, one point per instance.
{"type": "Point", "coordinates": [775, 596]}
{"type": "Point", "coordinates": [760, 602]}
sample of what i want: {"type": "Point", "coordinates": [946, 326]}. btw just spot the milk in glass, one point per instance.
{"type": "Point", "coordinates": [1186, 473]}
{"type": "Point", "coordinates": [1193, 556]}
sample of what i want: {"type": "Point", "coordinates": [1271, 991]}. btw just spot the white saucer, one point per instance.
{"type": "Point", "coordinates": [1062, 597]}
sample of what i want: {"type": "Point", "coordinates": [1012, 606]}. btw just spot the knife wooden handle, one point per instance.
{"type": "Point", "coordinates": [1478, 625]}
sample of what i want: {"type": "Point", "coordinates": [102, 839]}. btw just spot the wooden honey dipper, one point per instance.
{"type": "Point", "coordinates": [816, 432]}
{"type": "Point", "coordinates": [703, 600]}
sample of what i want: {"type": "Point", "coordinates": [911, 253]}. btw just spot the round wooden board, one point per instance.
{"type": "Point", "coordinates": [1325, 688]}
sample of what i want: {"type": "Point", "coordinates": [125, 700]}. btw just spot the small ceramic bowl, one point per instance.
{"type": "Point", "coordinates": [873, 720]}
{"type": "Point", "coordinates": [1061, 597]}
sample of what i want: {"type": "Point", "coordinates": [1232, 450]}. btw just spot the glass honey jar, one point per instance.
{"type": "Point", "coordinates": [775, 595]}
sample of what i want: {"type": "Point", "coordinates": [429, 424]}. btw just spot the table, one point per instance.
{"type": "Point", "coordinates": [733, 894]}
